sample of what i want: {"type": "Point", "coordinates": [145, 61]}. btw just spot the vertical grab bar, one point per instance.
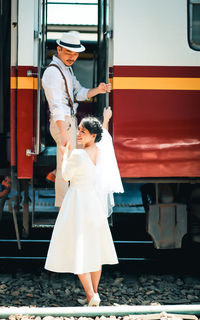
{"type": "Point", "coordinates": [36, 146]}
{"type": "Point", "coordinates": [37, 142]}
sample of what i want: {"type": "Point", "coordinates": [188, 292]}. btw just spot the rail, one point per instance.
{"type": "Point", "coordinates": [37, 35]}
{"type": "Point", "coordinates": [100, 311]}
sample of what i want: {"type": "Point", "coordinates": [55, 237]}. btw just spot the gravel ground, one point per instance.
{"type": "Point", "coordinates": [46, 289]}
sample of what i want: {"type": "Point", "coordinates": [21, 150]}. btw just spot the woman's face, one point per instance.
{"type": "Point", "coordinates": [84, 137]}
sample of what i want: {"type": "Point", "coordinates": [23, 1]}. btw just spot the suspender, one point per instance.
{"type": "Point", "coordinates": [66, 87]}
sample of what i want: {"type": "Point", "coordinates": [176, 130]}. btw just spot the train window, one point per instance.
{"type": "Point", "coordinates": [194, 24]}
{"type": "Point", "coordinates": [80, 15]}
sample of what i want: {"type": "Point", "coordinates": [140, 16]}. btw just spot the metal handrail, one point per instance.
{"type": "Point", "coordinates": [36, 146]}
{"type": "Point", "coordinates": [74, 3]}
{"type": "Point", "coordinates": [122, 310]}
{"type": "Point", "coordinates": [37, 142]}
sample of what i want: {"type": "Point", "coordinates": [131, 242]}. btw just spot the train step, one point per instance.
{"type": "Point", "coordinates": [43, 211]}
{"type": "Point", "coordinates": [140, 251]}
{"type": "Point", "coordinates": [36, 249]}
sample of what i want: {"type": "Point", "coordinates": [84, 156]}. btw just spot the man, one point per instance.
{"type": "Point", "coordinates": [61, 87]}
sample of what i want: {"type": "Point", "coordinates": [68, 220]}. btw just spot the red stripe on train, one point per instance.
{"type": "Point", "coordinates": [156, 71]}
{"type": "Point", "coordinates": [157, 132]}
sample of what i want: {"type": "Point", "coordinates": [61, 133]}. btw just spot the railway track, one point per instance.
{"type": "Point", "coordinates": [137, 312]}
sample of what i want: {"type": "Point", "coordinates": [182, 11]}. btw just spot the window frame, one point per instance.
{"type": "Point", "coordinates": [192, 45]}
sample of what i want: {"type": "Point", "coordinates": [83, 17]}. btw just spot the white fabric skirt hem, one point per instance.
{"type": "Point", "coordinates": [78, 272]}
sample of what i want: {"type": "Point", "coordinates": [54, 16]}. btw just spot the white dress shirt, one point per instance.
{"type": "Point", "coordinates": [54, 87]}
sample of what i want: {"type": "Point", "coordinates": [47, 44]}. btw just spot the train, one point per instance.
{"type": "Point", "coordinates": [150, 52]}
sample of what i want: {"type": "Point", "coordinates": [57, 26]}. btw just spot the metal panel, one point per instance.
{"type": "Point", "coordinates": [156, 132]}
{"type": "Point", "coordinates": [167, 224]}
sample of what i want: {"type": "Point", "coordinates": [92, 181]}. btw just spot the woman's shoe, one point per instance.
{"type": "Point", "coordinates": [94, 301]}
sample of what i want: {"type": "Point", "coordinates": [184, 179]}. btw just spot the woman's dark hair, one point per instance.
{"type": "Point", "coordinates": [93, 125]}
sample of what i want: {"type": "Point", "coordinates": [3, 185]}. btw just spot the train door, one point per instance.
{"type": "Point", "coordinates": [90, 69]}
{"type": "Point", "coordinates": [40, 34]}
{"type": "Point", "coordinates": [27, 55]}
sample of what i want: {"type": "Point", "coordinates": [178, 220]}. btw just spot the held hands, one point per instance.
{"type": "Point", "coordinates": [65, 149]}
{"type": "Point", "coordinates": [64, 138]}
{"type": "Point", "coordinates": [69, 146]}
{"type": "Point", "coordinates": [104, 87]}
{"type": "Point", "coordinates": [64, 135]}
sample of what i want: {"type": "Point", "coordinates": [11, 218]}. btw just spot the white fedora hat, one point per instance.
{"type": "Point", "coordinates": [70, 40]}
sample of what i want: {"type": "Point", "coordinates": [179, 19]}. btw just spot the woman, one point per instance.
{"type": "Point", "coordinates": [81, 241]}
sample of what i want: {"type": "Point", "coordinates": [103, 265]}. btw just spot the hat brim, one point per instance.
{"type": "Point", "coordinates": [71, 48]}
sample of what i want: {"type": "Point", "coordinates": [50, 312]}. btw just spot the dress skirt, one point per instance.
{"type": "Point", "coordinates": [81, 240]}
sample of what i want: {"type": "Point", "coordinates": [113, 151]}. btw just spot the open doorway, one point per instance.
{"type": "Point", "coordinates": [82, 17]}
{"type": "Point", "coordinates": [89, 18]}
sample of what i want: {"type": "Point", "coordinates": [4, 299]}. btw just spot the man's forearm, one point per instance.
{"type": "Point", "coordinates": [102, 88]}
{"type": "Point", "coordinates": [92, 92]}
{"type": "Point", "coordinates": [63, 132]}
{"type": "Point", "coordinates": [61, 126]}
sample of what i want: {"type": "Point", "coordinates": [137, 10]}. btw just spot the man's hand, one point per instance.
{"type": "Point", "coordinates": [104, 87]}
{"type": "Point", "coordinates": [69, 145]}
{"type": "Point", "coordinates": [65, 149]}
{"type": "Point", "coordinates": [64, 135]}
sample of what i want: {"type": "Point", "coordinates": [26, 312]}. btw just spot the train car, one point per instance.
{"type": "Point", "coordinates": [155, 75]}
{"type": "Point", "coordinates": [150, 51]}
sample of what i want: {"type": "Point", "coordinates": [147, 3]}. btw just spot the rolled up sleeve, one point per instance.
{"type": "Point", "coordinates": [79, 92]}
{"type": "Point", "coordinates": [53, 85]}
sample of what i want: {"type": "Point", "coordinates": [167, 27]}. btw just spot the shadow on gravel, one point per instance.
{"type": "Point", "coordinates": [26, 283]}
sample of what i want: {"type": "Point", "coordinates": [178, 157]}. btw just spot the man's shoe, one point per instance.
{"type": "Point", "coordinates": [51, 177]}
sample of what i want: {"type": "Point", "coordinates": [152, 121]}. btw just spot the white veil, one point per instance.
{"type": "Point", "coordinates": [108, 176]}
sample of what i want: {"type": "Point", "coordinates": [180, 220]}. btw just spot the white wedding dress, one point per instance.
{"type": "Point", "coordinates": [81, 241]}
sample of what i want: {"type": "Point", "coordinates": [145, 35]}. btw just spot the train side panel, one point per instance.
{"type": "Point", "coordinates": [23, 87]}
{"type": "Point", "coordinates": [156, 90]}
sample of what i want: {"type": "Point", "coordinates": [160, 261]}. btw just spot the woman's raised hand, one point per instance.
{"type": "Point", "coordinates": [107, 114]}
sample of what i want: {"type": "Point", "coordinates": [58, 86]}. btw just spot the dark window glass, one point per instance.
{"type": "Point", "coordinates": [194, 24]}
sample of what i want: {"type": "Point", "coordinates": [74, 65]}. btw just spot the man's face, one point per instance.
{"type": "Point", "coordinates": [68, 57]}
